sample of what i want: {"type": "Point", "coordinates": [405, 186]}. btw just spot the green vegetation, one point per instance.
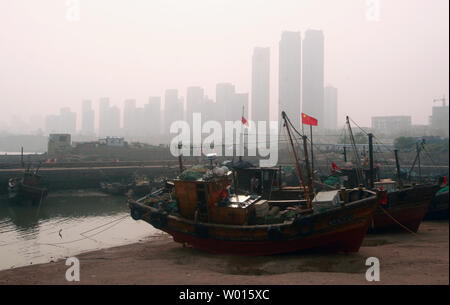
{"type": "Point", "coordinates": [432, 144]}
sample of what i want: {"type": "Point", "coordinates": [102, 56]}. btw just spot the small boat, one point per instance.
{"type": "Point", "coordinates": [115, 188]}
{"type": "Point", "coordinates": [27, 188]}
{"type": "Point", "coordinates": [141, 186]}
{"type": "Point", "coordinates": [438, 208]}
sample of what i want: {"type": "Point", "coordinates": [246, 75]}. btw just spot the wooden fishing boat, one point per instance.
{"type": "Point", "coordinates": [196, 213]}
{"type": "Point", "coordinates": [141, 186]}
{"type": "Point", "coordinates": [204, 213]}
{"type": "Point", "coordinates": [405, 207]}
{"type": "Point", "coordinates": [27, 188]}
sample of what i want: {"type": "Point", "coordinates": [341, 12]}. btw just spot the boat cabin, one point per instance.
{"type": "Point", "coordinates": [210, 201]}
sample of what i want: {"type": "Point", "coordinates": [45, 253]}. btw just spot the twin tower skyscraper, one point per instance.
{"type": "Point", "coordinates": [300, 79]}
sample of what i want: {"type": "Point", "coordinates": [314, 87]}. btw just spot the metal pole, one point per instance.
{"type": "Point", "coordinates": [371, 161]}
{"type": "Point", "coordinates": [21, 158]}
{"type": "Point", "coordinates": [418, 160]}
{"type": "Point", "coordinates": [345, 154]}
{"type": "Point", "coordinates": [299, 171]}
{"type": "Point", "coordinates": [312, 154]}
{"type": "Point", "coordinates": [400, 183]}
{"type": "Point", "coordinates": [180, 158]}
{"type": "Point", "coordinates": [308, 168]}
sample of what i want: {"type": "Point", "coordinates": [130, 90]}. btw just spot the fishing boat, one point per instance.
{"type": "Point", "coordinates": [405, 205]}
{"type": "Point", "coordinates": [27, 188]}
{"type": "Point", "coordinates": [200, 209]}
{"type": "Point", "coordinates": [141, 186]}
{"type": "Point", "coordinates": [196, 213]}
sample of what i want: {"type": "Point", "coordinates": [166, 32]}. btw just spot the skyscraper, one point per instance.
{"type": "Point", "coordinates": [173, 109]}
{"type": "Point", "coordinates": [289, 77]}
{"type": "Point", "coordinates": [261, 84]}
{"type": "Point", "coordinates": [312, 76]}
{"type": "Point", "coordinates": [330, 108]}
{"type": "Point", "coordinates": [87, 118]}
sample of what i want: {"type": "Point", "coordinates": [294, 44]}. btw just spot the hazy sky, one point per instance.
{"type": "Point", "coordinates": [138, 48]}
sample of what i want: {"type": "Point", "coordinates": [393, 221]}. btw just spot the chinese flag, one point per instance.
{"type": "Point", "coordinates": [334, 166]}
{"type": "Point", "coordinates": [308, 120]}
{"type": "Point", "coordinates": [244, 121]}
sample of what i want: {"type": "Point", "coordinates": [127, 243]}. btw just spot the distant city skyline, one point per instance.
{"type": "Point", "coordinates": [380, 66]}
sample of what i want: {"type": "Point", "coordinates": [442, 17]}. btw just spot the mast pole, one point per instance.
{"type": "Point", "coordinates": [418, 162]}
{"type": "Point", "coordinates": [312, 154]}
{"type": "Point", "coordinates": [372, 184]}
{"type": "Point", "coordinates": [359, 175]}
{"type": "Point", "coordinates": [308, 168]}
{"type": "Point", "coordinates": [400, 183]}
{"type": "Point", "coordinates": [299, 171]}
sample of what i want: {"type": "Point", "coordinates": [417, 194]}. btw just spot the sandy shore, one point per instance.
{"type": "Point", "coordinates": [404, 259]}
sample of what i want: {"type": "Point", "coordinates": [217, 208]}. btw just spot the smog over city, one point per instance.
{"type": "Point", "coordinates": [240, 128]}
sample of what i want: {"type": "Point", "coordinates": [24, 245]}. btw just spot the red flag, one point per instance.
{"type": "Point", "coordinates": [334, 166]}
{"type": "Point", "coordinates": [384, 196]}
{"type": "Point", "coordinates": [308, 120]}
{"type": "Point", "coordinates": [444, 180]}
{"type": "Point", "coordinates": [244, 121]}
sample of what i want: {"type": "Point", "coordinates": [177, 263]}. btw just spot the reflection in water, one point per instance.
{"type": "Point", "coordinates": [66, 223]}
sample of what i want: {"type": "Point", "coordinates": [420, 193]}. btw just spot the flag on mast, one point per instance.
{"type": "Point", "coordinates": [244, 120]}
{"type": "Point", "coordinates": [309, 120]}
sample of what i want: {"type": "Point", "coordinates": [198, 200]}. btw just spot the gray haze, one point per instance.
{"type": "Point", "coordinates": [136, 49]}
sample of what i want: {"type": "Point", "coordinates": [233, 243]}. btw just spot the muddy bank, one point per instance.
{"type": "Point", "coordinates": [404, 259]}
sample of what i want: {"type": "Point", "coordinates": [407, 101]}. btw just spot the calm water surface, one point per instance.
{"type": "Point", "coordinates": [66, 223]}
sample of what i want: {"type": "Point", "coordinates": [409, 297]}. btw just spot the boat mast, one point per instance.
{"type": "Point", "coordinates": [372, 184]}
{"type": "Point", "coordinates": [299, 171]}
{"type": "Point", "coordinates": [359, 175]}
{"type": "Point", "coordinates": [418, 161]}
{"type": "Point", "coordinates": [400, 183]}
{"type": "Point", "coordinates": [308, 168]}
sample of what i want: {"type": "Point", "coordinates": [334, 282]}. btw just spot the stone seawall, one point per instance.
{"type": "Point", "coordinates": [88, 177]}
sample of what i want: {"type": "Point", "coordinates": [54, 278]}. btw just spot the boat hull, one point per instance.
{"type": "Point", "coordinates": [21, 192]}
{"type": "Point", "coordinates": [404, 208]}
{"type": "Point", "coordinates": [340, 229]}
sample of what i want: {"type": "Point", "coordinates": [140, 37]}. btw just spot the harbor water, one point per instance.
{"type": "Point", "coordinates": [65, 224]}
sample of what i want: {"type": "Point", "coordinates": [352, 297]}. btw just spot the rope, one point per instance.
{"type": "Point", "coordinates": [113, 222]}
{"type": "Point", "coordinates": [395, 220]}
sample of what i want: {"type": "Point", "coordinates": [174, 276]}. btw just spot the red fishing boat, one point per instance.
{"type": "Point", "coordinates": [199, 209]}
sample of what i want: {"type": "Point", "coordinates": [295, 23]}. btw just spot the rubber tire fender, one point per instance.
{"type": "Point", "coordinates": [300, 223]}
{"type": "Point", "coordinates": [158, 220]}
{"type": "Point", "coordinates": [135, 213]}
{"type": "Point", "coordinates": [274, 233]}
